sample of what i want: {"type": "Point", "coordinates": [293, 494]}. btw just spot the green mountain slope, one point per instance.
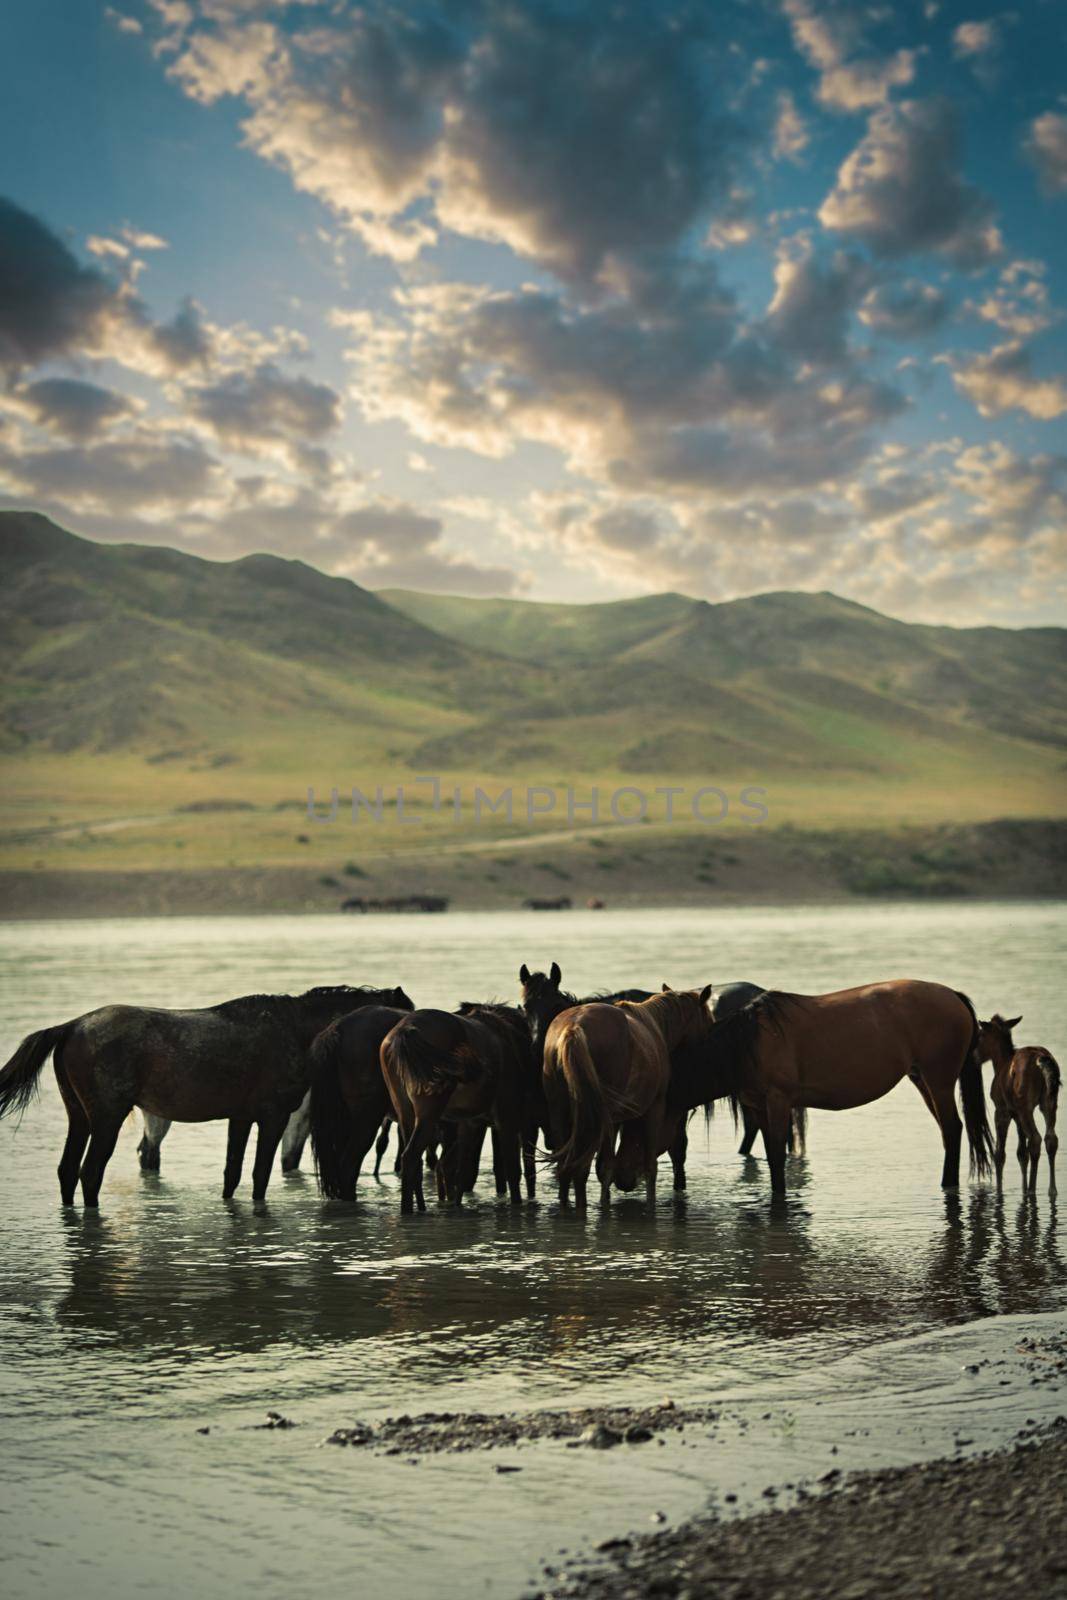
{"type": "Point", "coordinates": [141, 680]}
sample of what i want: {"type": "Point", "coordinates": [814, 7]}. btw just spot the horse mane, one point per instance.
{"type": "Point", "coordinates": [671, 1003]}
{"type": "Point", "coordinates": [732, 1044]}
{"type": "Point", "coordinates": [286, 1004]}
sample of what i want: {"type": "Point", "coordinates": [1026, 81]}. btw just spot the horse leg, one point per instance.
{"type": "Point", "coordinates": [605, 1166]}
{"type": "Point", "coordinates": [942, 1103]}
{"type": "Point", "coordinates": [580, 1181]}
{"type": "Point", "coordinates": [653, 1138]}
{"type": "Point", "coordinates": [1028, 1127]}
{"type": "Point", "coordinates": [501, 1165]}
{"type": "Point", "coordinates": [267, 1141]}
{"type": "Point", "coordinates": [77, 1138]}
{"type": "Point", "coordinates": [415, 1143]}
{"type": "Point", "coordinates": [1002, 1122]}
{"type": "Point", "coordinates": [678, 1150]}
{"type": "Point", "coordinates": [101, 1143]}
{"type": "Point", "coordinates": [295, 1136]}
{"type": "Point", "coordinates": [155, 1131]}
{"type": "Point", "coordinates": [1022, 1151]}
{"type": "Point", "coordinates": [381, 1145]}
{"type": "Point", "coordinates": [1052, 1144]}
{"type": "Point", "coordinates": [775, 1137]}
{"type": "Point", "coordinates": [751, 1126]}
{"type": "Point", "coordinates": [511, 1155]}
{"type": "Point", "coordinates": [236, 1140]}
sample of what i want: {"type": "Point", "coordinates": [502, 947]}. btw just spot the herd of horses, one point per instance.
{"type": "Point", "coordinates": [603, 1085]}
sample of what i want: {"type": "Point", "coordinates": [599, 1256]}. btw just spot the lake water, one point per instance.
{"type": "Point", "coordinates": [122, 1334]}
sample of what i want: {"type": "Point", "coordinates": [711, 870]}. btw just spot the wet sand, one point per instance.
{"type": "Point", "coordinates": [985, 1529]}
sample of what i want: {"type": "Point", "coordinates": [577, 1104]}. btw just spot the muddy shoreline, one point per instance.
{"type": "Point", "coordinates": [659, 867]}
{"type": "Point", "coordinates": [988, 1528]}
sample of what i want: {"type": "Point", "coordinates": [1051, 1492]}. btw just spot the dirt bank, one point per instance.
{"type": "Point", "coordinates": [627, 867]}
{"type": "Point", "coordinates": [986, 1529]}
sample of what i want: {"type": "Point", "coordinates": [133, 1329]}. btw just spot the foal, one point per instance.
{"type": "Point", "coordinates": [1024, 1081]}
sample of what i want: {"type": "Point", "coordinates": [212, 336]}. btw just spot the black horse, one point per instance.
{"type": "Point", "coordinates": [245, 1060]}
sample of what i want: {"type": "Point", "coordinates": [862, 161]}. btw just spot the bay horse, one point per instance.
{"type": "Point", "coordinates": [606, 1068]}
{"type": "Point", "coordinates": [348, 1099]}
{"type": "Point", "coordinates": [543, 999]}
{"type": "Point", "coordinates": [245, 1060]}
{"type": "Point", "coordinates": [443, 1067]}
{"type": "Point", "coordinates": [837, 1051]}
{"type": "Point", "coordinates": [1024, 1081]}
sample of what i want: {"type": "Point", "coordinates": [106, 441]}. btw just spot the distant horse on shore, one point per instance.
{"type": "Point", "coordinates": [836, 1051]}
{"type": "Point", "coordinates": [298, 1127]}
{"type": "Point", "coordinates": [349, 1100]}
{"type": "Point", "coordinates": [606, 1069]}
{"type": "Point", "coordinates": [1024, 1081]}
{"type": "Point", "coordinates": [439, 1067]}
{"type": "Point", "coordinates": [245, 1061]}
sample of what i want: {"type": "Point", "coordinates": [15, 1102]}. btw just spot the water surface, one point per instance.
{"type": "Point", "coordinates": [124, 1333]}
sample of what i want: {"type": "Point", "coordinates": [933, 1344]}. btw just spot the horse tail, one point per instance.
{"type": "Point", "coordinates": [18, 1080]}
{"type": "Point", "coordinates": [1049, 1069]}
{"type": "Point", "coordinates": [972, 1095]}
{"type": "Point", "coordinates": [798, 1135]}
{"type": "Point", "coordinates": [427, 1068]}
{"type": "Point", "coordinates": [329, 1114]}
{"type": "Point", "coordinates": [590, 1117]}
{"type": "Point", "coordinates": [733, 1047]}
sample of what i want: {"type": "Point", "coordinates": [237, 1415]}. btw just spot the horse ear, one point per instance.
{"type": "Point", "coordinates": [1012, 1022]}
{"type": "Point", "coordinates": [666, 989]}
{"type": "Point", "coordinates": [524, 973]}
{"type": "Point", "coordinates": [555, 974]}
{"type": "Point", "coordinates": [705, 994]}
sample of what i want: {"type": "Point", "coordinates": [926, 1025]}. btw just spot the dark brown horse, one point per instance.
{"type": "Point", "coordinates": [349, 1100]}
{"type": "Point", "coordinates": [441, 1067]}
{"type": "Point", "coordinates": [1024, 1081]}
{"type": "Point", "coordinates": [606, 1069]}
{"type": "Point", "coordinates": [245, 1060]}
{"type": "Point", "coordinates": [837, 1051]}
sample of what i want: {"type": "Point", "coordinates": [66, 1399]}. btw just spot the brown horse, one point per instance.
{"type": "Point", "coordinates": [837, 1051]}
{"type": "Point", "coordinates": [543, 999]}
{"type": "Point", "coordinates": [441, 1067]}
{"type": "Point", "coordinates": [1024, 1081]}
{"type": "Point", "coordinates": [606, 1067]}
{"type": "Point", "coordinates": [349, 1100]}
{"type": "Point", "coordinates": [245, 1060]}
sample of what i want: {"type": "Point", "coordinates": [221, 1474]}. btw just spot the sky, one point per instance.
{"type": "Point", "coordinates": [556, 300]}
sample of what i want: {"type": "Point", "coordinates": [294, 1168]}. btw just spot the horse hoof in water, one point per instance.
{"type": "Point", "coordinates": [148, 1154]}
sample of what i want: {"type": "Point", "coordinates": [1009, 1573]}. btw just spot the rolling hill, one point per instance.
{"type": "Point", "coordinates": [144, 687]}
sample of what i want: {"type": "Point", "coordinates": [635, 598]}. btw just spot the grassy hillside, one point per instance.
{"type": "Point", "coordinates": [162, 711]}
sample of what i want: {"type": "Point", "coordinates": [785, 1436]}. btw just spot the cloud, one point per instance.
{"type": "Point", "coordinates": [900, 191]}
{"type": "Point", "coordinates": [791, 135]}
{"type": "Point", "coordinates": [1046, 145]}
{"type": "Point", "coordinates": [1003, 381]}
{"type": "Point", "coordinates": [50, 305]}
{"type": "Point", "coordinates": [831, 39]}
{"type": "Point", "coordinates": [1019, 304]}
{"type": "Point", "coordinates": [975, 39]}
{"type": "Point", "coordinates": [903, 308]}
{"type": "Point", "coordinates": [71, 407]}
{"type": "Point", "coordinates": [571, 134]}
{"type": "Point", "coordinates": [257, 409]}
{"type": "Point", "coordinates": [143, 473]}
{"type": "Point", "coordinates": [979, 45]}
{"type": "Point", "coordinates": [814, 300]}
